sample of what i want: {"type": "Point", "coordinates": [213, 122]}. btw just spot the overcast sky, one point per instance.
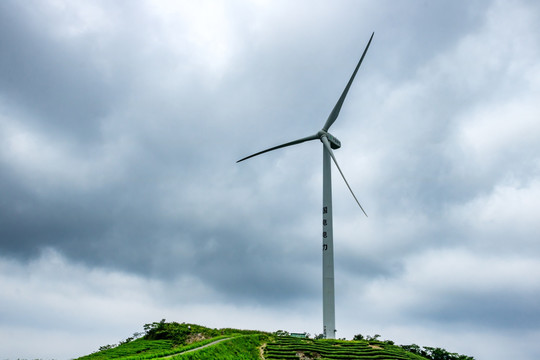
{"type": "Point", "coordinates": [121, 202]}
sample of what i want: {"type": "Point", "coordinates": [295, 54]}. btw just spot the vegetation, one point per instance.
{"type": "Point", "coordinates": [172, 340]}
{"type": "Point", "coordinates": [165, 339]}
{"type": "Point", "coordinates": [177, 333]}
{"type": "Point", "coordinates": [244, 347]}
{"type": "Point", "coordinates": [140, 347]}
{"type": "Point", "coordinates": [295, 348]}
{"type": "Point", "coordinates": [435, 353]}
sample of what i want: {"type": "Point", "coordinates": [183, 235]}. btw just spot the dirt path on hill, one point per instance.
{"type": "Point", "coordinates": [195, 349]}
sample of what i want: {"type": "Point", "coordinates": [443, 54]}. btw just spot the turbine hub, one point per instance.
{"type": "Point", "coordinates": [334, 141]}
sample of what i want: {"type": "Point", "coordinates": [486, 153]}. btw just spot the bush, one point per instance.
{"type": "Point", "coordinates": [281, 333]}
{"type": "Point", "coordinates": [435, 353]}
{"type": "Point", "coordinates": [177, 333]}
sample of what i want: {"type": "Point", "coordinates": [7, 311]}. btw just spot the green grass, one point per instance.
{"type": "Point", "coordinates": [173, 340]}
{"type": "Point", "coordinates": [244, 347]}
{"type": "Point", "coordinates": [141, 349]}
{"type": "Point", "coordinates": [140, 346]}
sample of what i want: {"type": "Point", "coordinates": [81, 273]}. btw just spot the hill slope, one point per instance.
{"type": "Point", "coordinates": [194, 342]}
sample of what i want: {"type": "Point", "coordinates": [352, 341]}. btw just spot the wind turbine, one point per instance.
{"type": "Point", "coordinates": [329, 142]}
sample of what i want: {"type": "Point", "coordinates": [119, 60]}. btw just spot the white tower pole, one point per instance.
{"type": "Point", "coordinates": [329, 311]}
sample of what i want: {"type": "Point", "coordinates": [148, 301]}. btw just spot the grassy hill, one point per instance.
{"type": "Point", "coordinates": [163, 340]}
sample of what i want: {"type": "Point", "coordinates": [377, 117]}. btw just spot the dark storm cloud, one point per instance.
{"type": "Point", "coordinates": [120, 224]}
{"type": "Point", "coordinates": [516, 312]}
{"type": "Point", "coordinates": [58, 83]}
{"type": "Point", "coordinates": [30, 223]}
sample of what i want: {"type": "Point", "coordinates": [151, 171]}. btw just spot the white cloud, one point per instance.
{"type": "Point", "coordinates": [47, 162]}
{"type": "Point", "coordinates": [69, 310]}
{"type": "Point", "coordinates": [500, 139]}
{"type": "Point", "coordinates": [503, 220]}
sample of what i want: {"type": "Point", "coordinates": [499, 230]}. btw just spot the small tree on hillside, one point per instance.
{"type": "Point", "coordinates": [374, 337]}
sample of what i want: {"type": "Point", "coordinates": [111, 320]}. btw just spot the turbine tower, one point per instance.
{"type": "Point", "coordinates": [329, 142]}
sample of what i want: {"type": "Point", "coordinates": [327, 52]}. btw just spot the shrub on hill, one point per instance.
{"type": "Point", "coordinates": [434, 353]}
{"type": "Point", "coordinates": [179, 334]}
{"type": "Point", "coordinates": [426, 351]}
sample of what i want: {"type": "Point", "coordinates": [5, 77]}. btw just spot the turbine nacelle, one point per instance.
{"type": "Point", "coordinates": [334, 141]}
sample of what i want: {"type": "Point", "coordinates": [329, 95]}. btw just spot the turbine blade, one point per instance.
{"type": "Point", "coordinates": [307, 138]}
{"type": "Point", "coordinates": [335, 111]}
{"type": "Point", "coordinates": [329, 149]}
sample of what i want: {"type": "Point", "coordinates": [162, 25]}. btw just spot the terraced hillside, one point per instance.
{"type": "Point", "coordinates": [285, 347]}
